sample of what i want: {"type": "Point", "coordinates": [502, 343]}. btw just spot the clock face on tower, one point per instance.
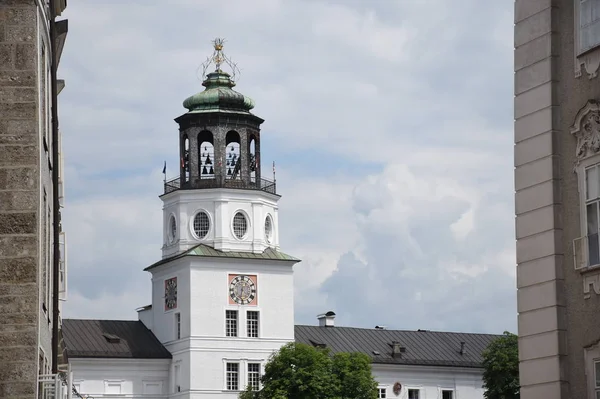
{"type": "Point", "coordinates": [242, 289]}
{"type": "Point", "coordinates": [171, 293]}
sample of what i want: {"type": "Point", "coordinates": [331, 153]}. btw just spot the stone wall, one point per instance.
{"type": "Point", "coordinates": [24, 175]}
{"type": "Point", "coordinates": [556, 321]}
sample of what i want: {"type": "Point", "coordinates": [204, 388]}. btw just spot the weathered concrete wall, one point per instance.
{"type": "Point", "coordinates": [24, 176]}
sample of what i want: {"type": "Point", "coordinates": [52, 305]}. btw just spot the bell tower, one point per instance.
{"type": "Point", "coordinates": [220, 197]}
{"type": "Point", "coordinates": [223, 292]}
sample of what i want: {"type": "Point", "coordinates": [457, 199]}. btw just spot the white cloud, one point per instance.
{"type": "Point", "coordinates": [390, 123]}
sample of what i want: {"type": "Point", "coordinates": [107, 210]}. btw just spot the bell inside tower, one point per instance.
{"type": "Point", "coordinates": [206, 155]}
{"type": "Point", "coordinates": [219, 135]}
{"type": "Point", "coordinates": [233, 159]}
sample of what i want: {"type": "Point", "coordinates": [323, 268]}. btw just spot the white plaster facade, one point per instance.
{"type": "Point", "coordinates": [430, 382]}
{"type": "Point", "coordinates": [220, 204]}
{"type": "Point", "coordinates": [204, 349]}
{"type": "Point", "coordinates": [122, 378]}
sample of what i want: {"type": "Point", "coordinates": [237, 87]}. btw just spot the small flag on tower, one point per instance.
{"type": "Point", "coordinates": [165, 168]}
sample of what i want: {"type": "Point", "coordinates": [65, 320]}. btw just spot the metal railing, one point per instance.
{"type": "Point", "coordinates": [52, 386]}
{"type": "Point", "coordinates": [216, 182]}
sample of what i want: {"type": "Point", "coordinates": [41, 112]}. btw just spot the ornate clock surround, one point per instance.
{"type": "Point", "coordinates": [242, 289]}
{"type": "Point", "coordinates": [170, 294]}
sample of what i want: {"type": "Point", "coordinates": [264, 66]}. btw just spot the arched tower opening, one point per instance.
{"type": "Point", "coordinates": [185, 158]}
{"type": "Point", "coordinates": [253, 160]}
{"type": "Point", "coordinates": [206, 155]}
{"type": "Point", "coordinates": [233, 161]}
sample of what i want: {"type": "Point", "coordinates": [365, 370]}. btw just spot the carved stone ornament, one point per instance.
{"type": "Point", "coordinates": [589, 63]}
{"type": "Point", "coordinates": [587, 130]}
{"type": "Point", "coordinates": [591, 281]}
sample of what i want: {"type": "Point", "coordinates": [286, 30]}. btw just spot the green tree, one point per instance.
{"type": "Point", "coordinates": [501, 368]}
{"type": "Point", "coordinates": [353, 373]}
{"type": "Point", "coordinates": [300, 371]}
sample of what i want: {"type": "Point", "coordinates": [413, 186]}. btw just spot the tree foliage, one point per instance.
{"type": "Point", "coordinates": [299, 371]}
{"type": "Point", "coordinates": [501, 368]}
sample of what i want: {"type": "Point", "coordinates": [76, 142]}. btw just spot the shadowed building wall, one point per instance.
{"type": "Point", "coordinates": [26, 193]}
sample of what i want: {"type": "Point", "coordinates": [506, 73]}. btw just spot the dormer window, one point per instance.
{"type": "Point", "coordinates": [111, 338]}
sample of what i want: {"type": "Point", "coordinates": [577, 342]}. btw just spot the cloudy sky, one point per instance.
{"type": "Point", "coordinates": [390, 122]}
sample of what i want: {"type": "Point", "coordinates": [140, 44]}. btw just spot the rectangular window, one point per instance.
{"type": "Point", "coordinates": [382, 393]}
{"type": "Point", "coordinates": [413, 394]}
{"type": "Point", "coordinates": [177, 325]}
{"type": "Point", "coordinates": [254, 376]}
{"type": "Point", "coordinates": [447, 394]}
{"type": "Point", "coordinates": [589, 24]}
{"type": "Point", "coordinates": [233, 381]}
{"type": "Point", "coordinates": [50, 261]}
{"type": "Point", "coordinates": [592, 203]}
{"type": "Point", "coordinates": [177, 378]}
{"type": "Point", "coordinates": [252, 321]}
{"type": "Point", "coordinates": [231, 323]}
{"type": "Point", "coordinates": [44, 257]}
{"type": "Point", "coordinates": [597, 375]}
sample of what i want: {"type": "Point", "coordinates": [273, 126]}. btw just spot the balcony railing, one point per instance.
{"type": "Point", "coordinates": [262, 184]}
{"type": "Point", "coordinates": [52, 386]}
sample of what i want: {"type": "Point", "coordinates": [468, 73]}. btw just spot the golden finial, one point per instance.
{"type": "Point", "coordinates": [218, 58]}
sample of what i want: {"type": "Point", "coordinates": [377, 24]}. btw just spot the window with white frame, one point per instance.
{"type": "Point", "coordinates": [254, 376]}
{"type": "Point", "coordinates": [592, 213]}
{"type": "Point", "coordinates": [413, 393]}
{"type": "Point", "coordinates": [252, 323]}
{"type": "Point", "coordinates": [447, 394]}
{"type": "Point", "coordinates": [233, 380]}
{"type": "Point", "coordinates": [231, 323]}
{"type": "Point", "coordinates": [382, 393]}
{"type": "Point", "coordinates": [589, 25]}
{"type": "Point", "coordinates": [113, 387]}
{"type": "Point", "coordinates": [177, 325]}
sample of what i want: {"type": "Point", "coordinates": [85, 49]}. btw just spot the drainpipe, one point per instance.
{"type": "Point", "coordinates": [55, 193]}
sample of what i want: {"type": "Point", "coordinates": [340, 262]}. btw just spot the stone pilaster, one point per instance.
{"type": "Point", "coordinates": [538, 206]}
{"type": "Point", "coordinates": [20, 149]}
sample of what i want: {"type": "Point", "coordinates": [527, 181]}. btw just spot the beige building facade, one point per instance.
{"type": "Point", "coordinates": [30, 187]}
{"type": "Point", "coordinates": [557, 194]}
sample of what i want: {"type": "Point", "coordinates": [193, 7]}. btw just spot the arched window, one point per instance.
{"type": "Point", "coordinates": [206, 155]}
{"type": "Point", "coordinates": [233, 163]}
{"type": "Point", "coordinates": [185, 158]}
{"type": "Point", "coordinates": [253, 160]}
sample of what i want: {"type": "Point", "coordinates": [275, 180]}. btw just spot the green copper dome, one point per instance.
{"type": "Point", "coordinates": [218, 96]}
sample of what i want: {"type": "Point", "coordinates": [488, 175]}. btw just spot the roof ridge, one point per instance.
{"type": "Point", "coordinates": [104, 320]}
{"type": "Point", "coordinates": [399, 330]}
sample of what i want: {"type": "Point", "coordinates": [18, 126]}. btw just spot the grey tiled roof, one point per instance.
{"type": "Point", "coordinates": [427, 348]}
{"type": "Point", "coordinates": [92, 339]}
{"type": "Point", "coordinates": [203, 250]}
{"type": "Point", "coordinates": [98, 339]}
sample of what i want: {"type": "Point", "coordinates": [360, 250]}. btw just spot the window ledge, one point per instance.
{"type": "Point", "coordinates": [588, 62]}
{"type": "Point", "coordinates": [589, 269]}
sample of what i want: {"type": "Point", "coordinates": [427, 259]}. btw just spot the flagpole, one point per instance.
{"type": "Point", "coordinates": [274, 179]}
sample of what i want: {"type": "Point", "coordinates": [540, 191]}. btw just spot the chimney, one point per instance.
{"type": "Point", "coordinates": [462, 348]}
{"type": "Point", "coordinates": [397, 349]}
{"type": "Point", "coordinates": [326, 319]}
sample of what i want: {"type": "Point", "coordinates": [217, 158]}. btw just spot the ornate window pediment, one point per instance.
{"type": "Point", "coordinates": [587, 130]}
